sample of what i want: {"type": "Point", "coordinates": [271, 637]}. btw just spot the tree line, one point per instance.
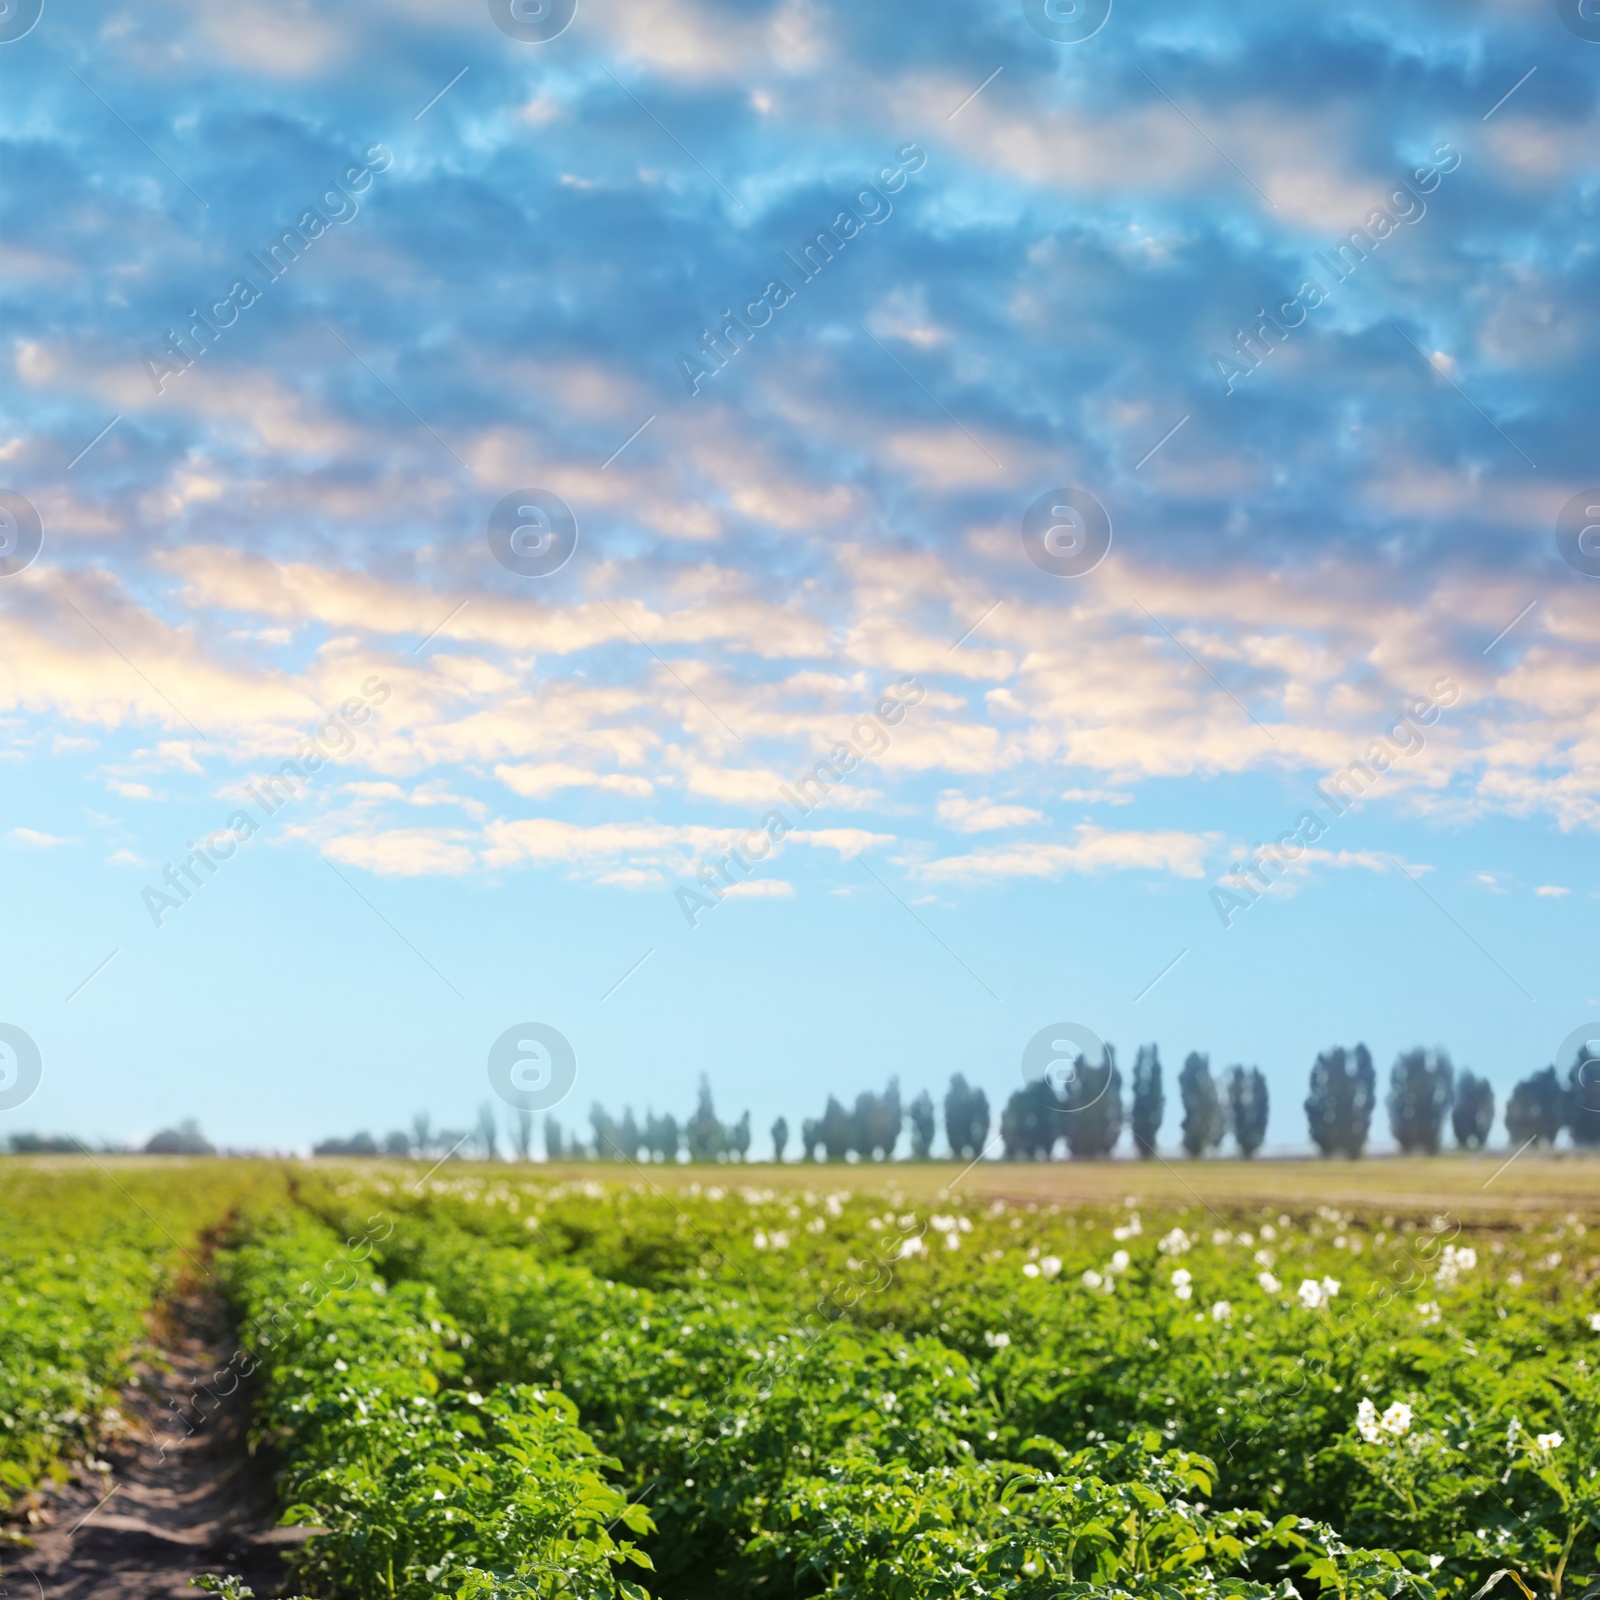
{"type": "Point", "coordinates": [1078, 1111]}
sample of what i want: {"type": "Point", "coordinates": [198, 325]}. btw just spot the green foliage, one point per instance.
{"type": "Point", "coordinates": [1421, 1085]}
{"type": "Point", "coordinates": [1091, 1107]}
{"type": "Point", "coordinates": [1030, 1122]}
{"type": "Point", "coordinates": [1205, 1115]}
{"type": "Point", "coordinates": [1472, 1114]}
{"type": "Point", "coordinates": [1248, 1107]}
{"type": "Point", "coordinates": [877, 1123]}
{"type": "Point", "coordinates": [1149, 1100]}
{"type": "Point", "coordinates": [502, 1386]}
{"type": "Point", "coordinates": [794, 1336]}
{"type": "Point", "coordinates": [1583, 1096]}
{"type": "Point", "coordinates": [1341, 1099]}
{"type": "Point", "coordinates": [423, 1488]}
{"type": "Point", "coordinates": [1108, 1521]}
{"type": "Point", "coordinates": [1537, 1109]}
{"type": "Point", "coordinates": [85, 1253]}
{"type": "Point", "coordinates": [704, 1136]}
{"type": "Point", "coordinates": [966, 1119]}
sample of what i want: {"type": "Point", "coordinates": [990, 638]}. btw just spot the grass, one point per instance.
{"type": "Point", "coordinates": [1477, 1186]}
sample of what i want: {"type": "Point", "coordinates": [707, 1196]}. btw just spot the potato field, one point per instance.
{"type": "Point", "coordinates": [480, 1385]}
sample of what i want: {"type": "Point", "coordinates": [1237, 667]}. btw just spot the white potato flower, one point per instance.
{"type": "Point", "coordinates": [1367, 1422]}
{"type": "Point", "coordinates": [1397, 1419]}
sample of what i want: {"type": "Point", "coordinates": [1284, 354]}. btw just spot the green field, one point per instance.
{"type": "Point", "coordinates": [1206, 1379]}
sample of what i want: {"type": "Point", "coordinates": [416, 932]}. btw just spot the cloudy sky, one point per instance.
{"type": "Point", "coordinates": [840, 339]}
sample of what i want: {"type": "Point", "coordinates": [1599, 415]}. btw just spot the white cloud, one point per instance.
{"type": "Point", "coordinates": [760, 889]}
{"type": "Point", "coordinates": [849, 842]}
{"type": "Point", "coordinates": [1181, 854]}
{"type": "Point", "coordinates": [968, 815]}
{"type": "Point", "coordinates": [405, 852]}
{"type": "Point", "coordinates": [39, 841]}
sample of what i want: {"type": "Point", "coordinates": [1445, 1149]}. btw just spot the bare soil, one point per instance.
{"type": "Point", "coordinates": [183, 1495]}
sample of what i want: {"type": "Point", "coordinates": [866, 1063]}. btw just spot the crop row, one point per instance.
{"type": "Point", "coordinates": [423, 1486]}
{"type": "Point", "coordinates": [1273, 1349]}
{"type": "Point", "coordinates": [774, 1447]}
{"type": "Point", "coordinates": [85, 1257]}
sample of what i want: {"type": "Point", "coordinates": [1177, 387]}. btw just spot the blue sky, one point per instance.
{"type": "Point", "coordinates": [572, 274]}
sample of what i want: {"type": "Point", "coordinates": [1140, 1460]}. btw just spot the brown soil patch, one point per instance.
{"type": "Point", "coordinates": [183, 1496]}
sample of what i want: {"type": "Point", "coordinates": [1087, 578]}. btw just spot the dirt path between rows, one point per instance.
{"type": "Point", "coordinates": [183, 1495]}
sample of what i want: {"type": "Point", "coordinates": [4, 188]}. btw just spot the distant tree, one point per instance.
{"type": "Point", "coordinates": [552, 1140]}
{"type": "Point", "coordinates": [1472, 1115]}
{"type": "Point", "coordinates": [1247, 1107]}
{"type": "Point", "coordinates": [838, 1131]}
{"type": "Point", "coordinates": [184, 1140]}
{"type": "Point", "coordinates": [780, 1138]}
{"type": "Point", "coordinates": [704, 1135]}
{"type": "Point", "coordinates": [1091, 1107]}
{"type": "Point", "coordinates": [488, 1133]}
{"type": "Point", "coordinates": [629, 1138]}
{"type": "Point", "coordinates": [1583, 1094]}
{"type": "Point", "coordinates": [361, 1144]}
{"type": "Point", "coordinates": [877, 1121]}
{"type": "Point", "coordinates": [1341, 1099]}
{"type": "Point", "coordinates": [661, 1136]}
{"type": "Point", "coordinates": [1537, 1109]}
{"type": "Point", "coordinates": [671, 1137]}
{"type": "Point", "coordinates": [1421, 1087]}
{"type": "Point", "coordinates": [739, 1137]}
{"type": "Point", "coordinates": [1205, 1116]}
{"type": "Point", "coordinates": [422, 1133]}
{"type": "Point", "coordinates": [966, 1119]}
{"type": "Point", "coordinates": [1149, 1100]}
{"type": "Point", "coordinates": [890, 1121]}
{"type": "Point", "coordinates": [397, 1144]}
{"type": "Point", "coordinates": [811, 1137]}
{"type": "Point", "coordinates": [1030, 1122]}
{"type": "Point", "coordinates": [44, 1144]}
{"type": "Point", "coordinates": [607, 1135]}
{"type": "Point", "coordinates": [522, 1134]}
{"type": "Point", "coordinates": [920, 1115]}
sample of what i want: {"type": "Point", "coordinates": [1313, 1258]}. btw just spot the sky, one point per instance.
{"type": "Point", "coordinates": [465, 464]}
